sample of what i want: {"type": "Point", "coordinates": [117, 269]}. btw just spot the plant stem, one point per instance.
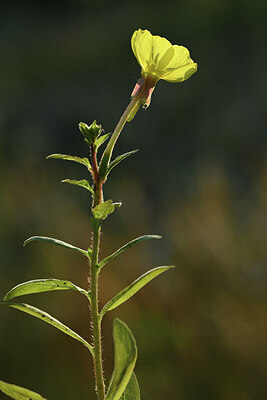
{"type": "Point", "coordinates": [96, 324]}
{"type": "Point", "coordinates": [97, 199]}
{"type": "Point", "coordinates": [132, 107]}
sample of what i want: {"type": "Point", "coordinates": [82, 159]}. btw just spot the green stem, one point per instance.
{"type": "Point", "coordinates": [97, 199]}
{"type": "Point", "coordinates": [128, 115]}
{"type": "Point", "coordinates": [96, 324]}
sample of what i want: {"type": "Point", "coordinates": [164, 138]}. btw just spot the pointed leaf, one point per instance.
{"type": "Point", "coordinates": [132, 391]}
{"type": "Point", "coordinates": [101, 140]}
{"type": "Point", "coordinates": [84, 161]}
{"type": "Point", "coordinates": [119, 159]}
{"type": "Point", "coordinates": [125, 354]}
{"type": "Point", "coordinates": [44, 316]}
{"type": "Point", "coordinates": [82, 183]}
{"type": "Point", "coordinates": [42, 285]}
{"type": "Point", "coordinates": [126, 246]}
{"type": "Point", "coordinates": [19, 393]}
{"type": "Point", "coordinates": [101, 211]}
{"type": "Point", "coordinates": [56, 241]}
{"type": "Point", "coordinates": [134, 287]}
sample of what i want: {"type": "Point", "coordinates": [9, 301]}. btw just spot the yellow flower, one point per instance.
{"type": "Point", "coordinates": [159, 59]}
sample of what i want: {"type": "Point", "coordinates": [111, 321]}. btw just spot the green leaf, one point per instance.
{"type": "Point", "coordinates": [36, 312]}
{"type": "Point", "coordinates": [124, 359]}
{"type": "Point", "coordinates": [19, 393]}
{"type": "Point", "coordinates": [42, 285]}
{"type": "Point", "coordinates": [57, 242]}
{"type": "Point", "coordinates": [126, 246]}
{"type": "Point", "coordinates": [84, 161]}
{"type": "Point", "coordinates": [101, 211]}
{"type": "Point", "coordinates": [134, 287]}
{"type": "Point", "coordinates": [101, 140]}
{"type": "Point", "coordinates": [132, 391]}
{"type": "Point", "coordinates": [119, 159]}
{"type": "Point", "coordinates": [82, 183]}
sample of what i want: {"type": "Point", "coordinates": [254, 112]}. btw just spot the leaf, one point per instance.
{"type": "Point", "coordinates": [19, 393]}
{"type": "Point", "coordinates": [119, 159]}
{"type": "Point", "coordinates": [124, 359]}
{"type": "Point", "coordinates": [36, 312]}
{"type": "Point", "coordinates": [132, 391]}
{"type": "Point", "coordinates": [41, 285]}
{"type": "Point", "coordinates": [101, 140]}
{"type": "Point", "coordinates": [84, 161]}
{"type": "Point", "coordinates": [134, 287]}
{"type": "Point", "coordinates": [82, 183]}
{"type": "Point", "coordinates": [56, 241]}
{"type": "Point", "coordinates": [126, 246]}
{"type": "Point", "coordinates": [102, 210]}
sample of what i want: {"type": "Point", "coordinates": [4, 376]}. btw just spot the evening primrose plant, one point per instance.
{"type": "Point", "coordinates": [159, 59]}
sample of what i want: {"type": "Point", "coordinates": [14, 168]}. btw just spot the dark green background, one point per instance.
{"type": "Point", "coordinates": [199, 179]}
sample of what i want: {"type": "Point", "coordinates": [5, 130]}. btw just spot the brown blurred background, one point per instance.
{"type": "Point", "coordinates": [199, 179]}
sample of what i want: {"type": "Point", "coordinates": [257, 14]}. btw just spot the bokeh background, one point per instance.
{"type": "Point", "coordinates": [199, 179]}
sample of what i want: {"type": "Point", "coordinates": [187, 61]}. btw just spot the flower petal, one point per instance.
{"type": "Point", "coordinates": [160, 59]}
{"type": "Point", "coordinates": [142, 47]}
{"type": "Point", "coordinates": [181, 66]}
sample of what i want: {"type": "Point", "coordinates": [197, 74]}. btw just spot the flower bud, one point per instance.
{"type": "Point", "coordinates": [91, 132]}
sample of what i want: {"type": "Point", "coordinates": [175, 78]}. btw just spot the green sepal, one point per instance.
{"type": "Point", "coordinates": [102, 210]}
{"type": "Point", "coordinates": [133, 288]}
{"type": "Point", "coordinates": [84, 161]}
{"type": "Point", "coordinates": [126, 246]}
{"type": "Point", "coordinates": [44, 316]}
{"type": "Point", "coordinates": [132, 391]}
{"type": "Point", "coordinates": [82, 183]}
{"type": "Point", "coordinates": [42, 285]}
{"type": "Point", "coordinates": [118, 159]}
{"type": "Point", "coordinates": [91, 132]}
{"type": "Point", "coordinates": [18, 392]}
{"type": "Point", "coordinates": [125, 355]}
{"type": "Point", "coordinates": [57, 242]}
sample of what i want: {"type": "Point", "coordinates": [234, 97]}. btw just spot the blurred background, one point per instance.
{"type": "Point", "coordinates": [199, 179]}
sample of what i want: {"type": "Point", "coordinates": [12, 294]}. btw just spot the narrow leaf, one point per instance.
{"type": "Point", "coordinates": [101, 140]}
{"type": "Point", "coordinates": [124, 359]}
{"type": "Point", "coordinates": [82, 183]}
{"type": "Point", "coordinates": [119, 159]}
{"type": "Point", "coordinates": [134, 287]}
{"type": "Point", "coordinates": [132, 391]}
{"type": "Point", "coordinates": [101, 211]}
{"type": "Point", "coordinates": [36, 312]}
{"type": "Point", "coordinates": [126, 246]}
{"type": "Point", "coordinates": [84, 161]}
{"type": "Point", "coordinates": [55, 241]}
{"type": "Point", "coordinates": [19, 393]}
{"type": "Point", "coordinates": [42, 285]}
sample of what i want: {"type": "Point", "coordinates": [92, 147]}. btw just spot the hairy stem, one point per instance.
{"type": "Point", "coordinates": [96, 326]}
{"type": "Point", "coordinates": [97, 199]}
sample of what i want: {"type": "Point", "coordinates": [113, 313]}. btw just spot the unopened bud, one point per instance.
{"type": "Point", "coordinates": [91, 132]}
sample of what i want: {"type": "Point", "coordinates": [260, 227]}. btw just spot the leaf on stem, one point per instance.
{"type": "Point", "coordinates": [101, 140]}
{"type": "Point", "coordinates": [57, 242]}
{"type": "Point", "coordinates": [82, 183]}
{"type": "Point", "coordinates": [126, 246]}
{"type": "Point", "coordinates": [42, 285]}
{"type": "Point", "coordinates": [134, 287]}
{"type": "Point", "coordinates": [132, 391]}
{"type": "Point", "coordinates": [84, 161]}
{"type": "Point", "coordinates": [102, 210]}
{"type": "Point", "coordinates": [124, 359]}
{"type": "Point", "coordinates": [119, 159]}
{"type": "Point", "coordinates": [18, 392]}
{"type": "Point", "coordinates": [36, 312]}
